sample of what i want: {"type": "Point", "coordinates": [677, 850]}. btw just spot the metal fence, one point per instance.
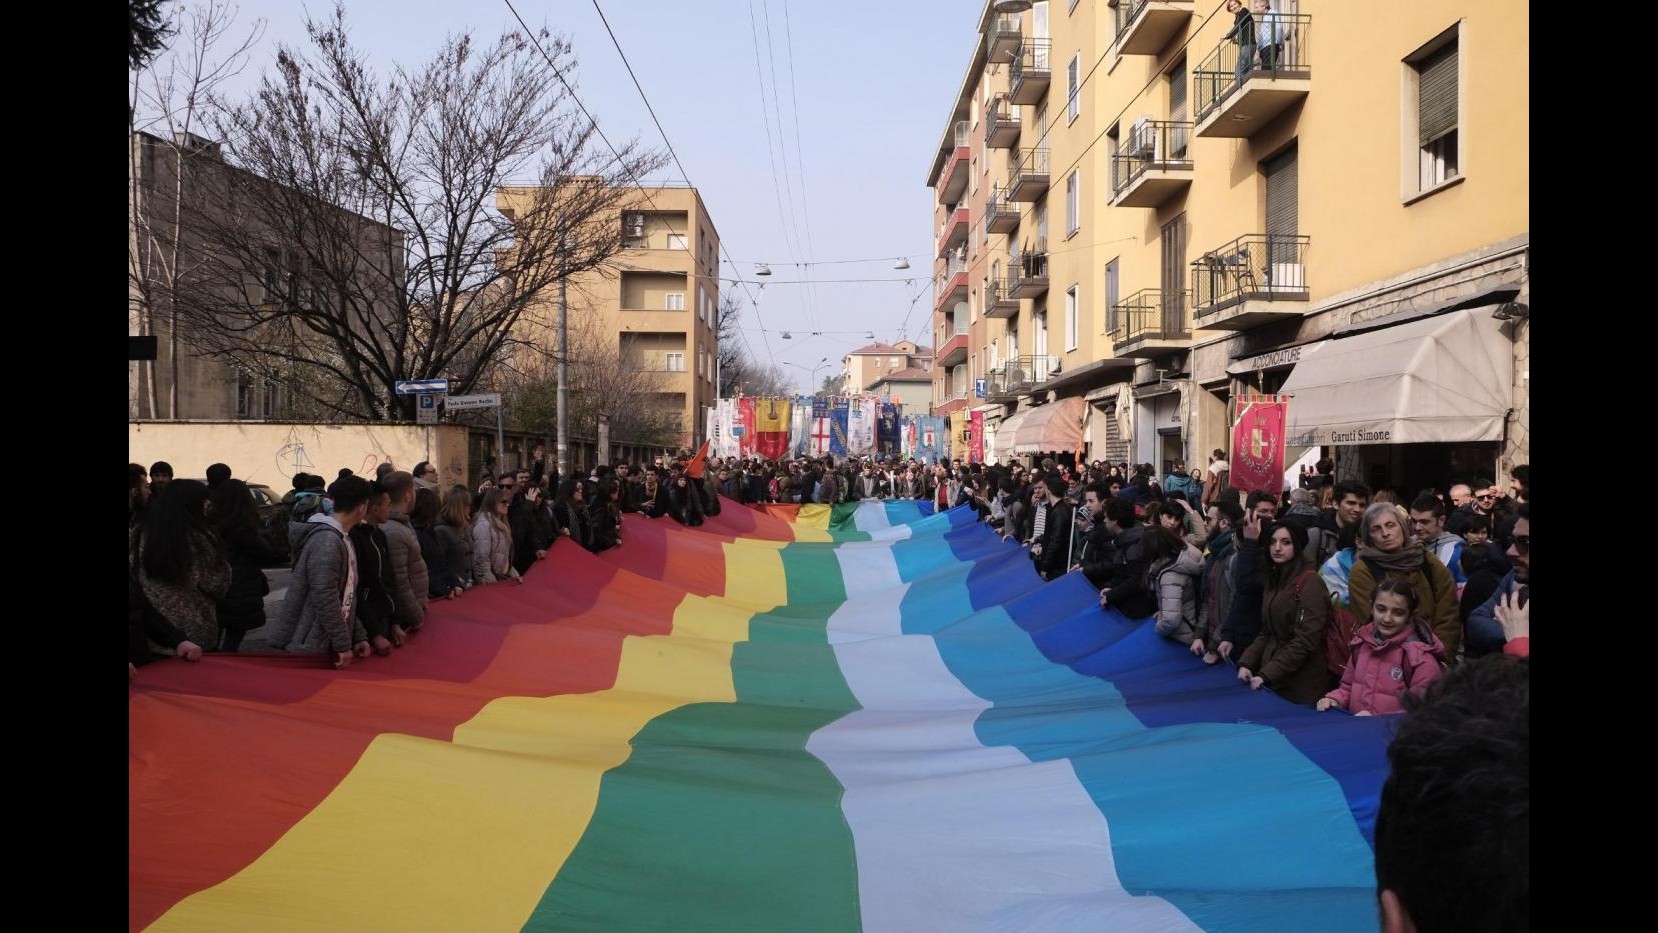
{"type": "Point", "coordinates": [1273, 46]}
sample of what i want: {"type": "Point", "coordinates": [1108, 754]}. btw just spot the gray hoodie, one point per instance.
{"type": "Point", "coordinates": [320, 612]}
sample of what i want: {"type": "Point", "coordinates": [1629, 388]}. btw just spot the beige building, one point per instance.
{"type": "Point", "coordinates": [661, 302]}
{"type": "Point", "coordinates": [204, 388]}
{"type": "Point", "coordinates": [912, 388]}
{"type": "Point", "coordinates": [861, 367]}
{"type": "Point", "coordinates": [1128, 213]}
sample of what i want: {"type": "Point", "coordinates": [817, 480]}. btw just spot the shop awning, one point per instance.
{"type": "Point", "coordinates": [1056, 426]}
{"type": "Point", "coordinates": [1006, 434]}
{"type": "Point", "coordinates": [1442, 379]}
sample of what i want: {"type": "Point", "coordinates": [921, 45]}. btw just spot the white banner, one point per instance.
{"type": "Point", "coordinates": [860, 426]}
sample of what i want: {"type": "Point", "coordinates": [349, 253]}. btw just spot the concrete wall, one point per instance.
{"type": "Point", "coordinates": [272, 453]}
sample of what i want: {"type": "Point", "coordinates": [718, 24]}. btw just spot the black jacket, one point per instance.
{"type": "Point", "coordinates": [1243, 622]}
{"type": "Point", "coordinates": [531, 531]}
{"type": "Point", "coordinates": [1056, 540]}
{"type": "Point", "coordinates": [1129, 563]}
{"type": "Point", "coordinates": [441, 578]}
{"type": "Point", "coordinates": [604, 527]}
{"type": "Point", "coordinates": [684, 505]}
{"type": "Point", "coordinates": [376, 581]}
{"type": "Point", "coordinates": [1096, 557]}
{"type": "Point", "coordinates": [242, 608]}
{"type": "Point", "coordinates": [569, 515]}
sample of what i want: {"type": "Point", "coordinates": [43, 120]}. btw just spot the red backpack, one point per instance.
{"type": "Point", "coordinates": [1338, 633]}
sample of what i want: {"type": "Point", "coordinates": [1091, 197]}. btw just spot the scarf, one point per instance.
{"type": "Point", "coordinates": [1407, 559]}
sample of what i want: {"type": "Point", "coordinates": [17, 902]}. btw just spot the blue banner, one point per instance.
{"type": "Point", "coordinates": [837, 426]}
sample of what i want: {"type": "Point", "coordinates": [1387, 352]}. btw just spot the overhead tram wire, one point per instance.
{"type": "Point", "coordinates": [783, 148]}
{"type": "Point", "coordinates": [754, 302]}
{"type": "Point", "coordinates": [785, 207]}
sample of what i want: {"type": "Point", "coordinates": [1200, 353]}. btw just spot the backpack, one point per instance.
{"type": "Point", "coordinates": [1337, 634]}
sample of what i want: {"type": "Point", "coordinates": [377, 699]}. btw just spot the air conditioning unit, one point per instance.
{"type": "Point", "coordinates": [1053, 364]}
{"type": "Point", "coordinates": [1287, 277]}
{"type": "Point", "coordinates": [1142, 138]}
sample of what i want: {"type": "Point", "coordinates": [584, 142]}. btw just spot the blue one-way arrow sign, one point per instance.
{"type": "Point", "coordinates": [421, 386]}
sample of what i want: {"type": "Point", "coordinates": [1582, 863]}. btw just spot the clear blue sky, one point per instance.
{"type": "Point", "coordinates": [875, 83]}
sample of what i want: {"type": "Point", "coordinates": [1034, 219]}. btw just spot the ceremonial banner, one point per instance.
{"type": "Point", "coordinates": [860, 431]}
{"type": "Point", "coordinates": [886, 435]}
{"type": "Point", "coordinates": [800, 426]}
{"type": "Point", "coordinates": [823, 424]}
{"type": "Point", "coordinates": [771, 428]}
{"type": "Point", "coordinates": [975, 435]}
{"type": "Point", "coordinates": [838, 414]}
{"type": "Point", "coordinates": [930, 431]}
{"type": "Point", "coordinates": [960, 436]}
{"type": "Point", "coordinates": [745, 418]}
{"type": "Point", "coordinates": [1258, 443]}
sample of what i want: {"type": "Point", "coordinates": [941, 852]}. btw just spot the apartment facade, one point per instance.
{"type": "Point", "coordinates": [1155, 223]}
{"type": "Point", "coordinates": [181, 193]}
{"type": "Point", "coordinates": [861, 367]}
{"type": "Point", "coordinates": [660, 302]}
{"type": "Point", "coordinates": [911, 388]}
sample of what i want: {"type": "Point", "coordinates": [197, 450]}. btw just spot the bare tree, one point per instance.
{"type": "Point", "coordinates": [168, 101]}
{"type": "Point", "coordinates": [375, 229]}
{"type": "Point", "coordinates": [606, 375]}
{"type": "Point", "coordinates": [734, 360]}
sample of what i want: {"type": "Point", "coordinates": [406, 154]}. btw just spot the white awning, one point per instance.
{"type": "Point", "coordinates": [1441, 379]}
{"type": "Point", "coordinates": [1007, 433]}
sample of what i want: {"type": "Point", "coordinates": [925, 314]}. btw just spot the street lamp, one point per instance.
{"type": "Point", "coordinates": [815, 367]}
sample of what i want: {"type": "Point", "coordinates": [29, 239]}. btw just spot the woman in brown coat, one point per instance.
{"type": "Point", "coordinates": [1288, 656]}
{"type": "Point", "coordinates": [1386, 551]}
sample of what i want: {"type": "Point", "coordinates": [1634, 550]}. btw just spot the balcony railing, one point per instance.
{"type": "Point", "coordinates": [1030, 275]}
{"type": "Point", "coordinates": [1028, 177]}
{"type": "Point", "coordinates": [951, 280]}
{"type": "Point", "coordinates": [1144, 27]}
{"type": "Point", "coordinates": [1149, 313]}
{"type": "Point", "coordinates": [1257, 267]}
{"type": "Point", "coordinates": [1233, 62]}
{"type": "Point", "coordinates": [1020, 375]}
{"type": "Point", "coordinates": [964, 134]}
{"type": "Point", "coordinates": [1153, 145]}
{"type": "Point", "coordinates": [1000, 214]}
{"type": "Point", "coordinates": [1001, 129]}
{"type": "Point", "coordinates": [999, 300]}
{"type": "Point", "coordinates": [1004, 37]}
{"type": "Point", "coordinates": [1030, 71]}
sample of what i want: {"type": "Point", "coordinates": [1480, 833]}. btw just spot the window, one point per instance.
{"type": "Point", "coordinates": [673, 362]}
{"type": "Point", "coordinates": [1039, 331]}
{"type": "Point", "coordinates": [1073, 89]}
{"type": "Point", "coordinates": [676, 241]}
{"type": "Point", "coordinates": [1071, 318]}
{"type": "Point", "coordinates": [1433, 94]}
{"type": "Point", "coordinates": [1111, 320]}
{"type": "Point", "coordinates": [973, 175]}
{"type": "Point", "coordinates": [1073, 205]}
{"type": "Point", "coordinates": [244, 394]}
{"type": "Point", "coordinates": [674, 301]}
{"type": "Point", "coordinates": [270, 399]}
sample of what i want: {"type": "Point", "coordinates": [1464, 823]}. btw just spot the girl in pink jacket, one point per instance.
{"type": "Point", "coordinates": [1395, 653]}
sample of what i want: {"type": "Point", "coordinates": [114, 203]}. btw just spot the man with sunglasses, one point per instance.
{"type": "Point", "coordinates": [1503, 623]}
{"type": "Point", "coordinates": [1480, 498]}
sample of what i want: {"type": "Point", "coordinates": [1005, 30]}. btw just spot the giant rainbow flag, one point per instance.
{"type": "Point", "coordinates": [804, 718]}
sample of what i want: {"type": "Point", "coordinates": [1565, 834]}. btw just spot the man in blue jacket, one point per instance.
{"type": "Point", "coordinates": [1486, 633]}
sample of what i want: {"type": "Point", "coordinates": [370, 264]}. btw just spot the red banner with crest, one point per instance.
{"type": "Point", "coordinates": [1258, 443]}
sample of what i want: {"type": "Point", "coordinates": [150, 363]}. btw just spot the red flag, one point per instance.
{"type": "Point", "coordinates": [745, 419]}
{"type": "Point", "coordinates": [1258, 444]}
{"type": "Point", "coordinates": [693, 467]}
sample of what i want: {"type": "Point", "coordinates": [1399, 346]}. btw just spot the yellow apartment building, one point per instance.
{"type": "Point", "coordinates": [860, 368]}
{"type": "Point", "coordinates": [1140, 205]}
{"type": "Point", "coordinates": [661, 300]}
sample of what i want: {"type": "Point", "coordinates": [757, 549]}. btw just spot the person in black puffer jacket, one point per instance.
{"type": "Point", "coordinates": [570, 513]}
{"type": "Point", "coordinates": [1126, 590]}
{"type": "Point", "coordinates": [441, 580]}
{"type": "Point", "coordinates": [242, 608]}
{"type": "Point", "coordinates": [376, 579]}
{"type": "Point", "coordinates": [604, 517]}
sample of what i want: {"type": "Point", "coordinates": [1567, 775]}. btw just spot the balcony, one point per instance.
{"type": "Point", "coordinates": [1152, 165]}
{"type": "Point", "coordinates": [953, 232]}
{"type": "Point", "coordinates": [1147, 324]}
{"type": "Point", "coordinates": [952, 285]}
{"type": "Point", "coordinates": [1001, 123]}
{"type": "Point", "coordinates": [1004, 39]}
{"type": "Point", "coordinates": [954, 350]}
{"type": "Point", "coordinates": [1144, 27]}
{"type": "Point", "coordinates": [1253, 280]}
{"type": "Point", "coordinates": [1030, 72]}
{"type": "Point", "coordinates": [1000, 214]}
{"type": "Point", "coordinates": [999, 300]}
{"type": "Point", "coordinates": [1236, 95]}
{"type": "Point", "coordinates": [1028, 179]}
{"type": "Point", "coordinates": [1030, 276]}
{"type": "Point", "coordinates": [1019, 376]}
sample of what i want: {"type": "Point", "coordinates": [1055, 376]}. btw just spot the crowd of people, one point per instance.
{"type": "Point", "coordinates": [1331, 594]}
